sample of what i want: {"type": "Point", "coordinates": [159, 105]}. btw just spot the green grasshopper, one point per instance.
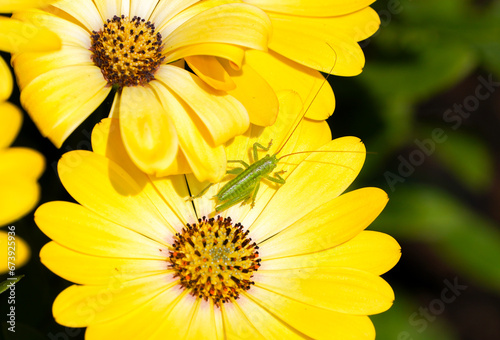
{"type": "Point", "coordinates": [244, 187]}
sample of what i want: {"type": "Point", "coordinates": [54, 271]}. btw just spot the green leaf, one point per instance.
{"type": "Point", "coordinates": [11, 281]}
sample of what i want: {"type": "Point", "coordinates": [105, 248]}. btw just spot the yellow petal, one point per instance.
{"type": "Point", "coordinates": [109, 8]}
{"type": "Point", "coordinates": [85, 12]}
{"type": "Point", "coordinates": [316, 323]}
{"type": "Point", "coordinates": [17, 36]}
{"type": "Point", "coordinates": [282, 74]}
{"type": "Point", "coordinates": [311, 7]}
{"type": "Point", "coordinates": [78, 228]}
{"type": "Point", "coordinates": [28, 66]}
{"type": "Point", "coordinates": [142, 8]}
{"type": "Point", "coordinates": [61, 99]}
{"type": "Point", "coordinates": [321, 177]}
{"type": "Point", "coordinates": [316, 43]}
{"type": "Point", "coordinates": [175, 325]}
{"type": "Point", "coordinates": [94, 270]}
{"type": "Point", "coordinates": [168, 12]}
{"type": "Point", "coordinates": [222, 115]}
{"type": "Point", "coordinates": [370, 251]}
{"type": "Point", "coordinates": [6, 82]}
{"type": "Point", "coordinates": [206, 162]}
{"type": "Point", "coordinates": [148, 132]}
{"type": "Point", "coordinates": [105, 188]}
{"type": "Point", "coordinates": [12, 119]}
{"type": "Point", "coordinates": [107, 141]}
{"type": "Point", "coordinates": [260, 324]}
{"type": "Point", "coordinates": [233, 53]}
{"type": "Point", "coordinates": [18, 196]}
{"type": "Point", "coordinates": [343, 290]}
{"type": "Point", "coordinates": [206, 314]}
{"type": "Point", "coordinates": [22, 162]}
{"type": "Point", "coordinates": [329, 225]}
{"type": "Point", "coordinates": [254, 93]}
{"type": "Point", "coordinates": [15, 251]}
{"type": "Point", "coordinates": [236, 24]}
{"type": "Point", "coordinates": [236, 323]}
{"type": "Point", "coordinates": [80, 306]}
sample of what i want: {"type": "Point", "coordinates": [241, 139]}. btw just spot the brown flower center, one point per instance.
{"type": "Point", "coordinates": [128, 52]}
{"type": "Point", "coordinates": [214, 259]}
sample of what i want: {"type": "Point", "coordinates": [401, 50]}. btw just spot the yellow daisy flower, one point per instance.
{"type": "Point", "coordinates": [149, 265]}
{"type": "Point", "coordinates": [171, 121]}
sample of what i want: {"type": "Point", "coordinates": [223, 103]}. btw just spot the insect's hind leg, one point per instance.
{"type": "Point", "coordinates": [262, 147]}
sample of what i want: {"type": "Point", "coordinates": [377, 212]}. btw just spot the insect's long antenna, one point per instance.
{"type": "Point", "coordinates": [329, 151]}
{"type": "Point", "coordinates": [310, 104]}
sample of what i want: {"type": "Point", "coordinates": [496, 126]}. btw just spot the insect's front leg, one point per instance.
{"type": "Point", "coordinates": [262, 147]}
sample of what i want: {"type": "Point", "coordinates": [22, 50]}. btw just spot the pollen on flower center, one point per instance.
{"type": "Point", "coordinates": [128, 52]}
{"type": "Point", "coordinates": [214, 259]}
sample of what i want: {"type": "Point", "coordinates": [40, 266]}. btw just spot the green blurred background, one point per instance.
{"type": "Point", "coordinates": [427, 104]}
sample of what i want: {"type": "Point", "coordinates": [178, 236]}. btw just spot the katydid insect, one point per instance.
{"type": "Point", "coordinates": [245, 185]}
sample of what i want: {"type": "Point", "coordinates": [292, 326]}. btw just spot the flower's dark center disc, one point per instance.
{"type": "Point", "coordinates": [214, 259]}
{"type": "Point", "coordinates": [128, 52]}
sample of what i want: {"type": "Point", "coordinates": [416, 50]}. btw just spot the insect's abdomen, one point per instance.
{"type": "Point", "coordinates": [246, 181]}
